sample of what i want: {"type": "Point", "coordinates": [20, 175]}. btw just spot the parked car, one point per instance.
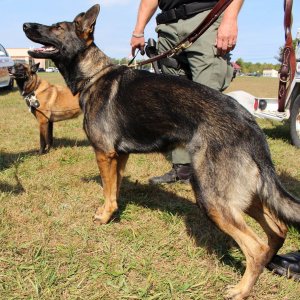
{"type": "Point", "coordinates": [5, 62]}
{"type": "Point", "coordinates": [41, 70]}
{"type": "Point", "coordinates": [51, 69]}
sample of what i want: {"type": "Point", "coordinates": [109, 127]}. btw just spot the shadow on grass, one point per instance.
{"type": "Point", "coordinates": [198, 225]}
{"type": "Point", "coordinates": [290, 183]}
{"type": "Point", "coordinates": [7, 160]}
{"type": "Point", "coordinates": [6, 91]}
{"type": "Point", "coordinates": [279, 131]}
{"type": "Point", "coordinates": [13, 189]}
{"type": "Point", "coordinates": [64, 142]}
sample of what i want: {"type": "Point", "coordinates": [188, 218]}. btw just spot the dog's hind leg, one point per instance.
{"type": "Point", "coordinates": [111, 167]}
{"type": "Point", "coordinates": [275, 230]}
{"type": "Point", "coordinates": [256, 251]}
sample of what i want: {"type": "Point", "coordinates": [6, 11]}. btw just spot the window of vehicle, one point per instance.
{"type": "Point", "coordinates": [3, 51]}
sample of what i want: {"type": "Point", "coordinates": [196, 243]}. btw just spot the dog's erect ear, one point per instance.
{"type": "Point", "coordinates": [34, 68]}
{"type": "Point", "coordinates": [85, 23]}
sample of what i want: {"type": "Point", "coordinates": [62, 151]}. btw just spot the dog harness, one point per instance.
{"type": "Point", "coordinates": [32, 101]}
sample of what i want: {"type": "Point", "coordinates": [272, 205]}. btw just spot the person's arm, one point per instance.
{"type": "Point", "coordinates": [228, 29]}
{"type": "Point", "coordinates": [146, 10]}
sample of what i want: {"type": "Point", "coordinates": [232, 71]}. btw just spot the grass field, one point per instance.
{"type": "Point", "coordinates": [159, 246]}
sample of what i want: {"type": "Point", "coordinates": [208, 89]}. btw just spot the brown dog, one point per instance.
{"type": "Point", "coordinates": [133, 111]}
{"type": "Point", "coordinates": [47, 102]}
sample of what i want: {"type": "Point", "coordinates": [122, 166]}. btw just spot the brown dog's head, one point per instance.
{"type": "Point", "coordinates": [63, 40]}
{"type": "Point", "coordinates": [25, 76]}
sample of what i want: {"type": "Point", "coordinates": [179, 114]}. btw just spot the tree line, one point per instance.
{"type": "Point", "coordinates": [249, 67]}
{"type": "Point", "coordinates": [255, 68]}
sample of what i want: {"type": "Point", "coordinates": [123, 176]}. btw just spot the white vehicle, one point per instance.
{"type": "Point", "coordinates": [51, 69]}
{"type": "Point", "coordinates": [5, 62]}
{"type": "Point", "coordinates": [267, 108]}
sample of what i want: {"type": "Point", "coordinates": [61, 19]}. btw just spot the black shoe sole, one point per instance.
{"type": "Point", "coordinates": [283, 272]}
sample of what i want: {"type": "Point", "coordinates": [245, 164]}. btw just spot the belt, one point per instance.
{"type": "Point", "coordinates": [183, 12]}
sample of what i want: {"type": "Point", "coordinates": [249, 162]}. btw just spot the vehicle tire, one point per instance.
{"type": "Point", "coordinates": [10, 85]}
{"type": "Point", "coordinates": [295, 122]}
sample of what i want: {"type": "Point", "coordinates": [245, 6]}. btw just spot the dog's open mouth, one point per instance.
{"type": "Point", "coordinates": [15, 73]}
{"type": "Point", "coordinates": [11, 71]}
{"type": "Point", "coordinates": [12, 74]}
{"type": "Point", "coordinates": [45, 49]}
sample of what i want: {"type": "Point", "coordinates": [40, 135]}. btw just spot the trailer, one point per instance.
{"type": "Point", "coordinates": [267, 108]}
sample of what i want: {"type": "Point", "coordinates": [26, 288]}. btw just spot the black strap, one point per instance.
{"type": "Point", "coordinates": [184, 11]}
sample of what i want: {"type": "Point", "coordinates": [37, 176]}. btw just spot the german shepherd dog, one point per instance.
{"type": "Point", "coordinates": [134, 111]}
{"type": "Point", "coordinates": [47, 102]}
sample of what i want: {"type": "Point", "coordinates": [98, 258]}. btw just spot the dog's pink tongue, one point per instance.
{"type": "Point", "coordinates": [44, 49]}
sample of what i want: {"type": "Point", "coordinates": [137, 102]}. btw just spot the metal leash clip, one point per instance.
{"type": "Point", "coordinates": [180, 48]}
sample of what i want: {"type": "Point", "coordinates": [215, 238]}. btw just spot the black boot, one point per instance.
{"type": "Point", "coordinates": [178, 173]}
{"type": "Point", "coordinates": [286, 265]}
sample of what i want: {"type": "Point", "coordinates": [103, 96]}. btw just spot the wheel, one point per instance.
{"type": "Point", "coordinates": [10, 85]}
{"type": "Point", "coordinates": [295, 122]}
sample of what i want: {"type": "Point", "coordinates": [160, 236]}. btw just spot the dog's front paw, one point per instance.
{"type": "Point", "coordinates": [101, 216]}
{"type": "Point", "coordinates": [233, 292]}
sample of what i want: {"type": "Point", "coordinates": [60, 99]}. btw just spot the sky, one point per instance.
{"type": "Point", "coordinates": [261, 30]}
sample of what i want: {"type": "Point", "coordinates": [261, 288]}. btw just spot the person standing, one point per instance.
{"type": "Point", "coordinates": [206, 61]}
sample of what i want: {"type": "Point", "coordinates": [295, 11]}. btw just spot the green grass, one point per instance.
{"type": "Point", "coordinates": [159, 246]}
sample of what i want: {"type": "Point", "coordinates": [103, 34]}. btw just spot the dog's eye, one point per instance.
{"type": "Point", "coordinates": [59, 27]}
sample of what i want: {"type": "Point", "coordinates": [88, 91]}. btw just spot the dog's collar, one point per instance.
{"type": "Point", "coordinates": [86, 82]}
{"type": "Point", "coordinates": [89, 79]}
{"type": "Point", "coordinates": [32, 101]}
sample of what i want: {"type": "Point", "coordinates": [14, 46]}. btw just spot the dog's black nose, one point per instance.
{"type": "Point", "coordinates": [26, 26]}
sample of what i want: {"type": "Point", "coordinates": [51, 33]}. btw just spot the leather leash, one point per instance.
{"type": "Point", "coordinates": [214, 14]}
{"type": "Point", "coordinates": [288, 65]}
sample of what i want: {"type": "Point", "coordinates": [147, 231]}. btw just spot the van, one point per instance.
{"type": "Point", "coordinates": [5, 62]}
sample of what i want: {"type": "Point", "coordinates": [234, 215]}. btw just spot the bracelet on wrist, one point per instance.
{"type": "Point", "coordinates": [138, 35]}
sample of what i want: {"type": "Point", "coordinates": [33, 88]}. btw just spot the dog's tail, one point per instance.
{"type": "Point", "coordinates": [283, 204]}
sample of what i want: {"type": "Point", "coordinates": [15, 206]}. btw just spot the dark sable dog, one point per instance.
{"type": "Point", "coordinates": [47, 102]}
{"type": "Point", "coordinates": [131, 111]}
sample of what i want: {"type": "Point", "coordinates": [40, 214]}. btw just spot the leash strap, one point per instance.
{"type": "Point", "coordinates": [132, 60]}
{"type": "Point", "coordinates": [288, 65]}
{"type": "Point", "coordinates": [213, 15]}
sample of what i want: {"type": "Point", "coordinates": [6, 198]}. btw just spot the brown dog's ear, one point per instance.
{"type": "Point", "coordinates": [85, 23]}
{"type": "Point", "coordinates": [34, 68]}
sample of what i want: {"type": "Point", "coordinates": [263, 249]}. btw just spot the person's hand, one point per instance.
{"type": "Point", "coordinates": [137, 43]}
{"type": "Point", "coordinates": [226, 36]}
